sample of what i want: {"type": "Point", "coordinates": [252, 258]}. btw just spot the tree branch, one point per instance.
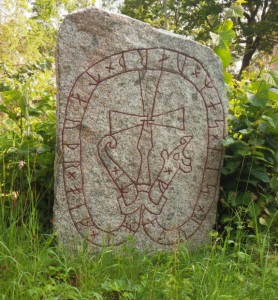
{"type": "Point", "coordinates": [248, 17]}
{"type": "Point", "coordinates": [241, 41]}
{"type": "Point", "coordinates": [264, 9]}
{"type": "Point", "coordinates": [255, 12]}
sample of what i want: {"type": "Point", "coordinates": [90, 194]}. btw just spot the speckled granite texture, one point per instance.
{"type": "Point", "coordinates": [141, 115]}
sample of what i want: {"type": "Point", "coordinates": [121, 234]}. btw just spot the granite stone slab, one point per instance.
{"type": "Point", "coordinates": [141, 116]}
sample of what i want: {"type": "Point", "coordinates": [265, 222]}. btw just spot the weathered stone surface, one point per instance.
{"type": "Point", "coordinates": [141, 115]}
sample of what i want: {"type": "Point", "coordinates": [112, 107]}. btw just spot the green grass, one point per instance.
{"type": "Point", "coordinates": [32, 266]}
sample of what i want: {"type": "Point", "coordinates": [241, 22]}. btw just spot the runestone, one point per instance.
{"type": "Point", "coordinates": [141, 116]}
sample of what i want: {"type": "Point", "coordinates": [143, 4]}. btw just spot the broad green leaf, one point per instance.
{"type": "Point", "coordinates": [258, 154]}
{"type": "Point", "coordinates": [244, 131]}
{"type": "Point", "coordinates": [4, 109]}
{"type": "Point", "coordinates": [225, 56]}
{"type": "Point", "coordinates": [226, 25]}
{"type": "Point", "coordinates": [269, 120]}
{"type": "Point", "coordinates": [228, 141]}
{"type": "Point", "coordinates": [274, 118]}
{"type": "Point", "coordinates": [273, 94]}
{"type": "Point", "coordinates": [237, 10]}
{"type": "Point", "coordinates": [11, 96]}
{"type": "Point", "coordinates": [271, 77]}
{"type": "Point", "coordinates": [260, 99]}
{"type": "Point", "coordinates": [230, 167]}
{"type": "Point", "coordinates": [274, 183]}
{"type": "Point", "coordinates": [257, 142]}
{"type": "Point", "coordinates": [226, 38]}
{"type": "Point", "coordinates": [228, 77]}
{"type": "Point", "coordinates": [264, 96]}
{"type": "Point", "coordinates": [240, 148]}
{"type": "Point", "coordinates": [260, 175]}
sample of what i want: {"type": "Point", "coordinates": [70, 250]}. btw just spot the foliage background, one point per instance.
{"type": "Point", "coordinates": [241, 260]}
{"type": "Point", "coordinates": [242, 33]}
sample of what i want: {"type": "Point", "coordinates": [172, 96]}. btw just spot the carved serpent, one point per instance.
{"type": "Point", "coordinates": [141, 204]}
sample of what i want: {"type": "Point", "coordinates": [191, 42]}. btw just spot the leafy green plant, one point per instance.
{"type": "Point", "coordinates": [249, 180]}
{"type": "Point", "coordinates": [249, 174]}
{"type": "Point", "coordinates": [27, 139]}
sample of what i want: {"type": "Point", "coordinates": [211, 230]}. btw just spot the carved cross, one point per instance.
{"type": "Point", "coordinates": [121, 121]}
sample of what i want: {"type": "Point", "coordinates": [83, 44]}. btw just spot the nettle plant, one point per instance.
{"type": "Point", "coordinates": [249, 182]}
{"type": "Point", "coordinates": [27, 139]}
{"type": "Point", "coordinates": [249, 177]}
